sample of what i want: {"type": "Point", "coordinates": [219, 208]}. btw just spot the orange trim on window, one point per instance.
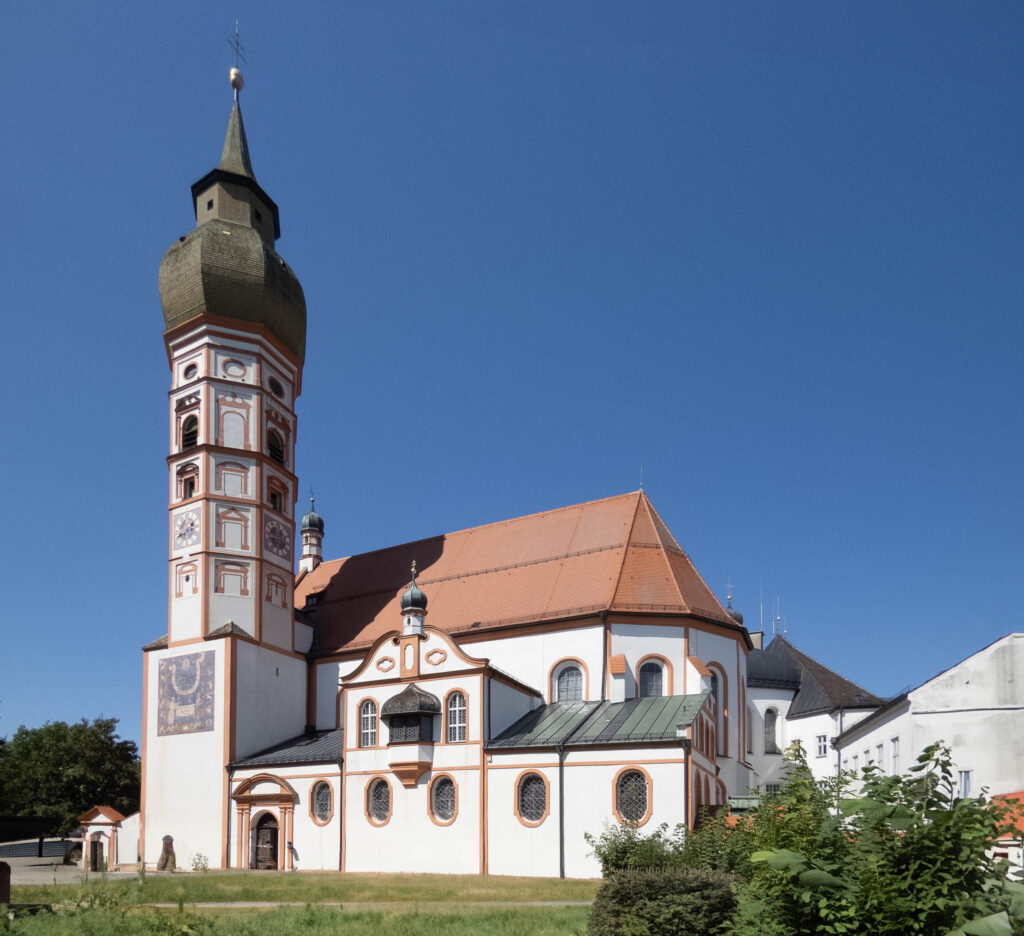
{"type": "Point", "coordinates": [666, 673]}
{"type": "Point", "coordinates": [430, 800]}
{"type": "Point", "coordinates": [312, 801]}
{"type": "Point", "coordinates": [650, 796]}
{"type": "Point", "coordinates": [359, 725]}
{"type": "Point", "coordinates": [378, 778]}
{"type": "Point", "coordinates": [465, 718]}
{"type": "Point", "coordinates": [554, 672]}
{"type": "Point", "coordinates": [547, 798]}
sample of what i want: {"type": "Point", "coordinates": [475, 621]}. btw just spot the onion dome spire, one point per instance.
{"type": "Point", "coordinates": [737, 616]}
{"type": "Point", "coordinates": [414, 599]}
{"type": "Point", "coordinates": [228, 266]}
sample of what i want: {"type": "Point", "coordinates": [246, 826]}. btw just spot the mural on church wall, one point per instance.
{"type": "Point", "coordinates": [186, 693]}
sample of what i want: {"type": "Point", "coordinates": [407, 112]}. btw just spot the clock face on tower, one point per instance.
{"type": "Point", "coordinates": [186, 528]}
{"type": "Point", "coordinates": [275, 538]}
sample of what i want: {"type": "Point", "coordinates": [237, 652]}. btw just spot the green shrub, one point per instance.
{"type": "Point", "coordinates": [626, 848]}
{"type": "Point", "coordinates": [677, 902]}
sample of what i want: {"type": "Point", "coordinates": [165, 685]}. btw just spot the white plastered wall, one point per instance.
{"type": "Point", "coordinates": [270, 706]}
{"type": "Point", "coordinates": [184, 772]}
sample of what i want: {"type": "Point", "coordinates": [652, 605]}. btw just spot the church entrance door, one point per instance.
{"type": "Point", "coordinates": [266, 843]}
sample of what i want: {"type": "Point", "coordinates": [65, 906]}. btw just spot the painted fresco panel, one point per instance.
{"type": "Point", "coordinates": [186, 693]}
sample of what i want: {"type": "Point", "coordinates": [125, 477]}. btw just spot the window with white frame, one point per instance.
{"type": "Point", "coordinates": [821, 745]}
{"type": "Point", "coordinates": [856, 763]}
{"type": "Point", "coordinates": [894, 755]}
{"type": "Point", "coordinates": [455, 717]}
{"type": "Point", "coordinates": [650, 679]}
{"type": "Point", "coordinates": [569, 685]}
{"type": "Point", "coordinates": [368, 724]}
{"type": "Point", "coordinates": [880, 756]}
{"type": "Point", "coordinates": [964, 783]}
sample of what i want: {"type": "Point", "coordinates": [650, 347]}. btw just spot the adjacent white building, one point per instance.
{"type": "Point", "coordinates": [976, 707]}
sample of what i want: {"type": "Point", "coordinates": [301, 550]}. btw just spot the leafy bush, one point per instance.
{"type": "Point", "coordinates": [626, 848]}
{"type": "Point", "coordinates": [663, 903]}
{"type": "Point", "coordinates": [904, 857]}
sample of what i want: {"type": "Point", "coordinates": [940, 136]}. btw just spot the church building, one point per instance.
{"type": "Point", "coordinates": [487, 695]}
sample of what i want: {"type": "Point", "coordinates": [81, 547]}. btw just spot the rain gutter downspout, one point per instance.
{"type": "Point", "coordinates": [561, 809]}
{"type": "Point", "coordinates": [604, 656]}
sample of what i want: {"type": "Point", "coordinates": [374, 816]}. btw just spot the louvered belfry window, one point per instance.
{"type": "Point", "coordinates": [533, 797]}
{"type": "Point", "coordinates": [442, 796]}
{"type": "Point", "coordinates": [190, 433]}
{"type": "Point", "coordinates": [570, 684]}
{"type": "Point", "coordinates": [275, 446]}
{"type": "Point", "coordinates": [379, 805]}
{"type": "Point", "coordinates": [631, 796]}
{"type": "Point", "coordinates": [456, 717]}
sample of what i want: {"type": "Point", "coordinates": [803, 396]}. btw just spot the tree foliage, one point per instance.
{"type": "Point", "coordinates": [60, 770]}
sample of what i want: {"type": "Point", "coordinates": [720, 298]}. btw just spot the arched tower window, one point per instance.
{"type": "Point", "coordinates": [650, 679]}
{"type": "Point", "coordinates": [190, 432]}
{"type": "Point", "coordinates": [771, 741]}
{"type": "Point", "coordinates": [275, 446]}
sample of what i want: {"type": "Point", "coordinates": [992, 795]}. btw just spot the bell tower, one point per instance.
{"type": "Point", "coordinates": [228, 677]}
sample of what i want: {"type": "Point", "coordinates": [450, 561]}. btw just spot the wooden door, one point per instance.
{"type": "Point", "coordinates": [95, 855]}
{"type": "Point", "coordinates": [266, 844]}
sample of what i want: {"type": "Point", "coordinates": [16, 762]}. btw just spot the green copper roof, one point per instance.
{"type": "Point", "coordinates": [235, 155]}
{"type": "Point", "coordinates": [636, 721]}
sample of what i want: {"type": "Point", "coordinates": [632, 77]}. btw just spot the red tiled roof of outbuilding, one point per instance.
{"type": "Point", "coordinates": [614, 554]}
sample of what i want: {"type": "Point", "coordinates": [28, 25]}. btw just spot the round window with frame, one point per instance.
{"type": "Point", "coordinates": [321, 805]}
{"type": "Point", "coordinates": [378, 801]}
{"type": "Point", "coordinates": [443, 800]}
{"type": "Point", "coordinates": [531, 799]}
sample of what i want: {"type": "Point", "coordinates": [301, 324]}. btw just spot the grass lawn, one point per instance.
{"type": "Point", "coordinates": [407, 905]}
{"type": "Point", "coordinates": [316, 887]}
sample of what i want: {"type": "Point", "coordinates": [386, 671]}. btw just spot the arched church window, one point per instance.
{"type": "Point", "coordinates": [368, 724]}
{"type": "Point", "coordinates": [650, 679]}
{"type": "Point", "coordinates": [570, 684]}
{"type": "Point", "coordinates": [275, 446]}
{"type": "Point", "coordinates": [455, 717]}
{"type": "Point", "coordinates": [190, 432]}
{"type": "Point", "coordinates": [378, 801]}
{"type": "Point", "coordinates": [442, 799]}
{"type": "Point", "coordinates": [771, 741]}
{"type": "Point", "coordinates": [631, 796]}
{"type": "Point", "coordinates": [321, 802]}
{"type": "Point", "coordinates": [532, 798]}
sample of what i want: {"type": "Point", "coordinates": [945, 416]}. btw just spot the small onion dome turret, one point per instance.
{"type": "Point", "coordinates": [737, 616]}
{"type": "Point", "coordinates": [312, 520]}
{"type": "Point", "coordinates": [414, 599]}
{"type": "Point", "coordinates": [412, 701]}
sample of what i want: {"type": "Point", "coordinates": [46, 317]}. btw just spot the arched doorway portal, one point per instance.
{"type": "Point", "coordinates": [265, 841]}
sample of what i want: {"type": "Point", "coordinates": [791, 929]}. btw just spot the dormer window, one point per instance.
{"type": "Point", "coordinates": [650, 679]}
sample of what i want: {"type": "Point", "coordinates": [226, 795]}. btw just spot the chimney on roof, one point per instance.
{"type": "Point", "coordinates": [757, 639]}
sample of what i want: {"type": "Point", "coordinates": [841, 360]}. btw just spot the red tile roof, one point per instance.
{"type": "Point", "coordinates": [614, 554]}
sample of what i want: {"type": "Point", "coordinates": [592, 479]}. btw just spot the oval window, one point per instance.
{"type": "Point", "coordinates": [275, 387]}
{"type": "Point", "coordinates": [190, 371]}
{"type": "Point", "coordinates": [442, 799]}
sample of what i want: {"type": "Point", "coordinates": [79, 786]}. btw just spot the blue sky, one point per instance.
{"type": "Point", "coordinates": [769, 252]}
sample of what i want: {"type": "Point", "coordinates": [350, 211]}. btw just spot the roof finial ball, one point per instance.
{"type": "Point", "coordinates": [237, 81]}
